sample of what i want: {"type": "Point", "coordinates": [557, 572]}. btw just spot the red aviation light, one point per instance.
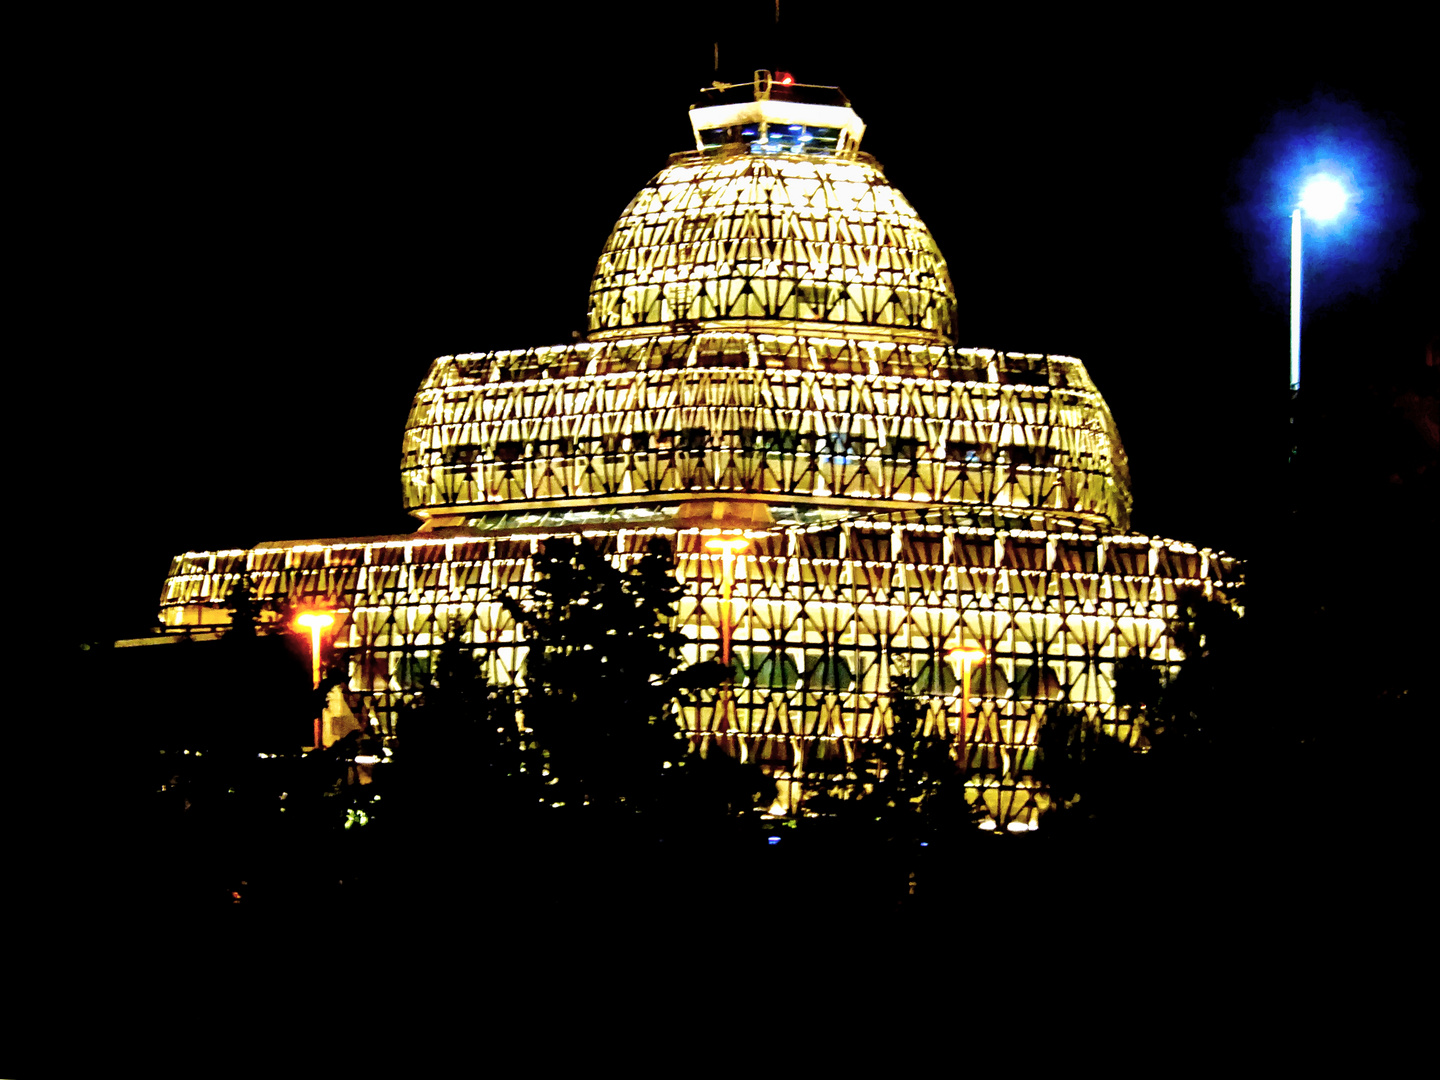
{"type": "Point", "coordinates": [784, 78]}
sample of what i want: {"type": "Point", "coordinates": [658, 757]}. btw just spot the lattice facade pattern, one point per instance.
{"type": "Point", "coordinates": [748, 239]}
{"type": "Point", "coordinates": [830, 422]}
{"type": "Point", "coordinates": [901, 497]}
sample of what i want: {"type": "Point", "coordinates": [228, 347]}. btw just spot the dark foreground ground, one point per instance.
{"type": "Point", "coordinates": [415, 861]}
{"type": "Point", "coordinates": [189, 937]}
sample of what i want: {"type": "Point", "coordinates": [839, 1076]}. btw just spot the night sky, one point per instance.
{"type": "Point", "coordinates": [287, 222]}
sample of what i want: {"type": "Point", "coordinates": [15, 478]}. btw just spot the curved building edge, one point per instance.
{"type": "Point", "coordinates": [824, 615]}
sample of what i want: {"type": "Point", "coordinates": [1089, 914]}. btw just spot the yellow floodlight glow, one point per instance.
{"type": "Point", "coordinates": [964, 657]}
{"type": "Point", "coordinates": [729, 547]}
{"type": "Point", "coordinates": [315, 621]}
{"type": "Point", "coordinates": [971, 654]}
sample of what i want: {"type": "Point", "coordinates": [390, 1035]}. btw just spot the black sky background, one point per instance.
{"type": "Point", "coordinates": [284, 221]}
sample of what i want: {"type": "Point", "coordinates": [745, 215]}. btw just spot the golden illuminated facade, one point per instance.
{"type": "Point", "coordinates": [770, 357]}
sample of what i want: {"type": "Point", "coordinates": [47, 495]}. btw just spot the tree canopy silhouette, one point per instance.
{"type": "Point", "coordinates": [905, 788]}
{"type": "Point", "coordinates": [604, 677]}
{"type": "Point", "coordinates": [1198, 724]}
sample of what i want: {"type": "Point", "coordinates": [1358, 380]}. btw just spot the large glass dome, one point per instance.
{"type": "Point", "coordinates": [818, 244]}
{"type": "Point", "coordinates": [775, 219]}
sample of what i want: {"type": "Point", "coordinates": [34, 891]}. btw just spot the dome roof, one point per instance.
{"type": "Point", "coordinates": [776, 222]}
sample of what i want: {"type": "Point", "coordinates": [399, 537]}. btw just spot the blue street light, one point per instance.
{"type": "Point", "coordinates": [1311, 157]}
{"type": "Point", "coordinates": [1322, 199]}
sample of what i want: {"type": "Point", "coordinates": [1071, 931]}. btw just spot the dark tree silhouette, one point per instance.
{"type": "Point", "coordinates": [604, 677]}
{"type": "Point", "coordinates": [244, 610]}
{"type": "Point", "coordinates": [1200, 740]}
{"type": "Point", "coordinates": [1196, 708]}
{"type": "Point", "coordinates": [464, 736]}
{"type": "Point", "coordinates": [1087, 773]}
{"type": "Point", "coordinates": [904, 794]}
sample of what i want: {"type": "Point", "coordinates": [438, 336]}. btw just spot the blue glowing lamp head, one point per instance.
{"type": "Point", "coordinates": [1323, 198]}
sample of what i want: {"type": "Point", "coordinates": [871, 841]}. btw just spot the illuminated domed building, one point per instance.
{"type": "Point", "coordinates": [770, 359]}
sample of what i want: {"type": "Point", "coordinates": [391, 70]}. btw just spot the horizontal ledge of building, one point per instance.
{"type": "Point", "coordinates": [174, 635]}
{"type": "Point", "coordinates": [851, 509]}
{"type": "Point", "coordinates": [1064, 530]}
{"type": "Point", "coordinates": [334, 541]}
{"type": "Point", "coordinates": [807, 328]}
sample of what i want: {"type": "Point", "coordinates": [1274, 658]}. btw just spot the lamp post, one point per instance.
{"type": "Point", "coordinates": [728, 546]}
{"type": "Point", "coordinates": [964, 658]}
{"type": "Point", "coordinates": [315, 621]}
{"type": "Point", "coordinates": [1322, 199]}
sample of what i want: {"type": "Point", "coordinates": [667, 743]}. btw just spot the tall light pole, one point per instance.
{"type": "Point", "coordinates": [964, 658]}
{"type": "Point", "coordinates": [1322, 199]}
{"type": "Point", "coordinates": [729, 547]}
{"type": "Point", "coordinates": [315, 621]}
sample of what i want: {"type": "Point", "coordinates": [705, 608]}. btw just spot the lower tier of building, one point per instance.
{"type": "Point", "coordinates": [823, 618]}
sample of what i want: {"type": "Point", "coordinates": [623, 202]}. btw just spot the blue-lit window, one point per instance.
{"type": "Point", "coordinates": [712, 139]}
{"type": "Point", "coordinates": [772, 139]}
{"type": "Point", "coordinates": [834, 446]}
{"type": "Point", "coordinates": [795, 139]}
{"type": "Point", "coordinates": [969, 452]}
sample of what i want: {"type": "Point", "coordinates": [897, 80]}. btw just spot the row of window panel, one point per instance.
{"type": "Point", "coordinates": [796, 670]}
{"type": "Point", "coordinates": [830, 445]}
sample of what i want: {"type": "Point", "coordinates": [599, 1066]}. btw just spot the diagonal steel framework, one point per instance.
{"type": "Point", "coordinates": [770, 356]}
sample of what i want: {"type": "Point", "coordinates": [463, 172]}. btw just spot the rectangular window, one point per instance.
{"type": "Point", "coordinates": [833, 446]}
{"type": "Point", "coordinates": [905, 448]}
{"type": "Point", "coordinates": [461, 455]}
{"type": "Point", "coordinates": [787, 442]}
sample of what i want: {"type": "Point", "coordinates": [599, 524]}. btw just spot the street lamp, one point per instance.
{"type": "Point", "coordinates": [964, 658]}
{"type": "Point", "coordinates": [728, 546]}
{"type": "Point", "coordinates": [315, 621]}
{"type": "Point", "coordinates": [1322, 199]}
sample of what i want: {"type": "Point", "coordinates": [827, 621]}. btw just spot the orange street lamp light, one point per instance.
{"type": "Point", "coordinates": [729, 547]}
{"type": "Point", "coordinates": [315, 621]}
{"type": "Point", "coordinates": [964, 658]}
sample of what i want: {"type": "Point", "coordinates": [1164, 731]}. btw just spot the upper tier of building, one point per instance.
{"type": "Point", "coordinates": [640, 426]}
